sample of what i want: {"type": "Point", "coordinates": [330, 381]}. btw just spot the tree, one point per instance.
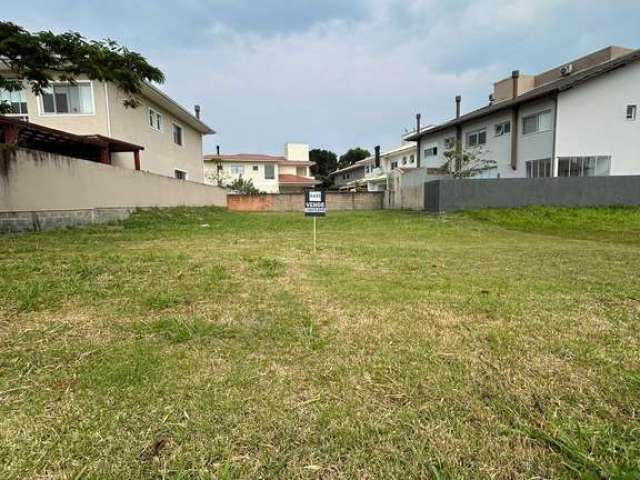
{"type": "Point", "coordinates": [465, 163]}
{"type": "Point", "coordinates": [325, 162]}
{"type": "Point", "coordinates": [42, 57]}
{"type": "Point", "coordinates": [244, 187]}
{"type": "Point", "coordinates": [352, 156]}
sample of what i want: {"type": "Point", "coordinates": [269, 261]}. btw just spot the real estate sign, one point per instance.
{"type": "Point", "coordinates": [315, 204]}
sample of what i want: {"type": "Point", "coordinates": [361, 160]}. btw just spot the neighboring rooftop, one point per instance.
{"type": "Point", "coordinates": [550, 82]}
{"type": "Point", "coordinates": [256, 158]}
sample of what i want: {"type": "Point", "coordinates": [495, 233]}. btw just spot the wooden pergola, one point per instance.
{"type": "Point", "coordinates": [96, 148]}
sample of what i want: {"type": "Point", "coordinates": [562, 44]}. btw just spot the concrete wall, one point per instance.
{"type": "Point", "coordinates": [407, 189]}
{"type": "Point", "coordinates": [38, 181]}
{"type": "Point", "coordinates": [451, 195]}
{"type": "Point", "coordinates": [592, 120]}
{"type": "Point", "coordinates": [294, 202]}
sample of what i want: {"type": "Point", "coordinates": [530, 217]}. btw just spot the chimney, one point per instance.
{"type": "Point", "coordinates": [492, 99]}
{"type": "Point", "coordinates": [218, 150]}
{"type": "Point", "coordinates": [377, 156]}
{"type": "Point", "coordinates": [197, 110]}
{"type": "Point", "coordinates": [418, 117]}
{"type": "Point", "coordinates": [458, 100]}
{"type": "Point", "coordinates": [515, 75]}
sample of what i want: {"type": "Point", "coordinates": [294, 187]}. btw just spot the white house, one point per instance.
{"type": "Point", "coordinates": [577, 119]}
{"type": "Point", "coordinates": [374, 172]}
{"type": "Point", "coordinates": [268, 173]}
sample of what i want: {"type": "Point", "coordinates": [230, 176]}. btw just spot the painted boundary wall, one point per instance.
{"type": "Point", "coordinates": [40, 191]}
{"type": "Point", "coordinates": [294, 202]}
{"type": "Point", "coordinates": [451, 195]}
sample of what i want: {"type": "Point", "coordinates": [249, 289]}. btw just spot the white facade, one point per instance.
{"type": "Point", "coordinates": [576, 125]}
{"type": "Point", "coordinates": [592, 120]}
{"type": "Point", "coordinates": [269, 174]}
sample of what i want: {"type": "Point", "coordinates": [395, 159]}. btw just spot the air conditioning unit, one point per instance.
{"type": "Point", "coordinates": [566, 70]}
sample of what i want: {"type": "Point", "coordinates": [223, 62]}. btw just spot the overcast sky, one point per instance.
{"type": "Point", "coordinates": [337, 73]}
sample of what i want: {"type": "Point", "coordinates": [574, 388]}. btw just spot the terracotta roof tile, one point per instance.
{"type": "Point", "coordinates": [298, 180]}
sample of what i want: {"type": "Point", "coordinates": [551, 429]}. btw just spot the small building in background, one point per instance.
{"type": "Point", "coordinates": [269, 173]}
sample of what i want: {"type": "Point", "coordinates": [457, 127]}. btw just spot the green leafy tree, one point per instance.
{"type": "Point", "coordinates": [463, 162]}
{"type": "Point", "coordinates": [42, 57]}
{"type": "Point", "coordinates": [325, 162]}
{"type": "Point", "coordinates": [244, 187]}
{"type": "Point", "coordinates": [352, 156]}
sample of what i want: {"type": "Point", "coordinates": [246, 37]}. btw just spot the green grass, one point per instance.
{"type": "Point", "coordinates": [490, 344]}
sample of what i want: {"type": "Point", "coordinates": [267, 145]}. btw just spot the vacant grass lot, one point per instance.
{"type": "Point", "coordinates": [486, 345]}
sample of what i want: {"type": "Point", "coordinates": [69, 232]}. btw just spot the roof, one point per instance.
{"type": "Point", "coordinates": [354, 166]}
{"type": "Point", "coordinates": [297, 180]}
{"type": "Point", "coordinates": [256, 158]}
{"type": "Point", "coordinates": [547, 89]}
{"type": "Point", "coordinates": [158, 96]}
{"type": "Point", "coordinates": [38, 137]}
{"type": "Point", "coordinates": [244, 157]}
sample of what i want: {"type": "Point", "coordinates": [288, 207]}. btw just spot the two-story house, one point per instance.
{"type": "Point", "coordinates": [373, 173]}
{"type": "Point", "coordinates": [268, 173]}
{"type": "Point", "coordinates": [577, 119]}
{"type": "Point", "coordinates": [170, 134]}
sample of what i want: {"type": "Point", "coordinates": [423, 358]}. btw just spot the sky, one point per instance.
{"type": "Point", "coordinates": [337, 73]}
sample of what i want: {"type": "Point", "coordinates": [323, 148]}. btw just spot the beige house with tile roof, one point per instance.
{"type": "Point", "coordinates": [170, 134]}
{"type": "Point", "coordinates": [269, 173]}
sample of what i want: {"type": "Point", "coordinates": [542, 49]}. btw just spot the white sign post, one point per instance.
{"type": "Point", "coordinates": [315, 206]}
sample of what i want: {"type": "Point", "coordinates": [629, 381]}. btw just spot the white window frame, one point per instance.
{"type": "Point", "coordinates": [476, 133]}
{"type": "Point", "coordinates": [412, 158]}
{"type": "Point", "coordinates": [632, 112]}
{"type": "Point", "coordinates": [233, 170]}
{"type": "Point", "coordinates": [501, 128]}
{"type": "Point", "coordinates": [186, 173]}
{"type": "Point", "coordinates": [532, 166]}
{"type": "Point", "coordinates": [42, 113]}
{"type": "Point", "coordinates": [173, 125]}
{"type": "Point", "coordinates": [431, 151]}
{"type": "Point", "coordinates": [265, 171]}
{"type": "Point", "coordinates": [22, 93]}
{"type": "Point", "coordinates": [537, 116]}
{"type": "Point", "coordinates": [157, 115]}
{"type": "Point", "coordinates": [580, 161]}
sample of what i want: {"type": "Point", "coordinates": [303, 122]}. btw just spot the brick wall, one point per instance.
{"type": "Point", "coordinates": [294, 202]}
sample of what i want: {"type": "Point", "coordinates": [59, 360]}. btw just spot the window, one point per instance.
{"type": "Point", "coordinates": [180, 174]}
{"type": "Point", "coordinates": [595, 166]}
{"type": "Point", "coordinates": [539, 168]}
{"type": "Point", "coordinates": [503, 128]}
{"type": "Point", "coordinates": [404, 160]}
{"type": "Point", "coordinates": [269, 172]}
{"type": "Point", "coordinates": [155, 120]}
{"type": "Point", "coordinates": [177, 134]}
{"type": "Point", "coordinates": [17, 101]}
{"type": "Point", "coordinates": [431, 152]}
{"type": "Point", "coordinates": [366, 168]}
{"type": "Point", "coordinates": [237, 170]}
{"type": "Point", "coordinates": [394, 165]}
{"type": "Point", "coordinates": [412, 159]}
{"type": "Point", "coordinates": [449, 142]}
{"type": "Point", "coordinates": [477, 138]}
{"type": "Point", "coordinates": [632, 111]}
{"type": "Point", "coordinates": [255, 168]}
{"type": "Point", "coordinates": [64, 98]}
{"type": "Point", "coordinates": [540, 122]}
{"type": "Point", "coordinates": [301, 171]}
